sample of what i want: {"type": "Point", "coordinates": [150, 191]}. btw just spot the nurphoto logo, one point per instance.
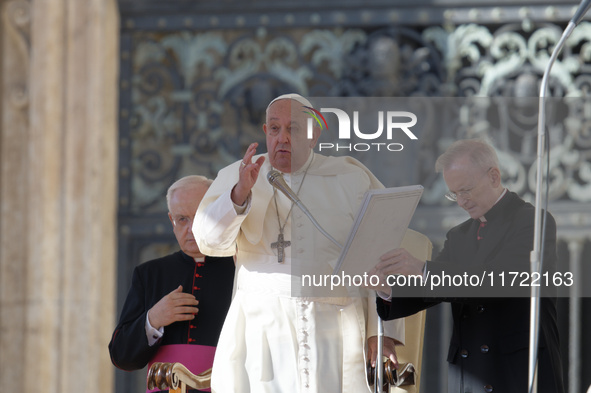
{"type": "Point", "coordinates": [396, 123]}
{"type": "Point", "coordinates": [315, 114]}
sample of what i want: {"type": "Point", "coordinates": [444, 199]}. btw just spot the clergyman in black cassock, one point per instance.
{"type": "Point", "coordinates": [209, 281]}
{"type": "Point", "coordinates": [489, 347]}
{"type": "Point", "coordinates": [177, 304]}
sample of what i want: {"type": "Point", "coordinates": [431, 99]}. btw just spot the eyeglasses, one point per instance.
{"type": "Point", "coordinates": [464, 194]}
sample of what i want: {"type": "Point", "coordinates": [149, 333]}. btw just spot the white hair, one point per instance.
{"type": "Point", "coordinates": [187, 182]}
{"type": "Point", "coordinates": [480, 153]}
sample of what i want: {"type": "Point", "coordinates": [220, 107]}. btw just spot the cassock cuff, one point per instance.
{"type": "Point", "coordinates": [385, 296]}
{"type": "Point", "coordinates": [153, 335]}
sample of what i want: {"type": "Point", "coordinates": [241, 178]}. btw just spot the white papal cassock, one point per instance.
{"type": "Point", "coordinates": [279, 335]}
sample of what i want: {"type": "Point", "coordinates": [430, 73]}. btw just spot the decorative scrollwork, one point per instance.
{"type": "Point", "coordinates": [392, 62]}
{"type": "Point", "coordinates": [18, 20]}
{"type": "Point", "coordinates": [200, 98]}
{"type": "Point", "coordinates": [160, 376]}
{"type": "Point", "coordinates": [18, 15]}
{"type": "Point", "coordinates": [511, 71]}
{"type": "Point", "coordinates": [19, 96]}
{"type": "Point", "coordinates": [331, 48]}
{"type": "Point", "coordinates": [165, 376]}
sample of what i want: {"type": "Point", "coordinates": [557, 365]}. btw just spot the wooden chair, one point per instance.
{"type": "Point", "coordinates": [176, 378]}
{"type": "Point", "coordinates": [419, 246]}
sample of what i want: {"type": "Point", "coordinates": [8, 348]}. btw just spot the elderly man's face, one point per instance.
{"type": "Point", "coordinates": [183, 206]}
{"type": "Point", "coordinates": [286, 136]}
{"type": "Point", "coordinates": [477, 189]}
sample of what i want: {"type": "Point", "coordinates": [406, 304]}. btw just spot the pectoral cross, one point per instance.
{"type": "Point", "coordinates": [280, 245]}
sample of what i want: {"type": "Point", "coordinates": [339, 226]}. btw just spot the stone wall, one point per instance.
{"type": "Point", "coordinates": [58, 149]}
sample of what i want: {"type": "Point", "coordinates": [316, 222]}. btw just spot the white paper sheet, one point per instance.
{"type": "Point", "coordinates": [380, 225]}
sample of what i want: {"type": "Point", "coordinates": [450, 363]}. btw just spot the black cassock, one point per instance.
{"type": "Point", "coordinates": [488, 350]}
{"type": "Point", "coordinates": [211, 283]}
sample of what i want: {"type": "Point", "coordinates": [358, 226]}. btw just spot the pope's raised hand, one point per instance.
{"type": "Point", "coordinates": [248, 173]}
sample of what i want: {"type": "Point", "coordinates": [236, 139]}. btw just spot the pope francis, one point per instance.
{"type": "Point", "coordinates": [279, 337]}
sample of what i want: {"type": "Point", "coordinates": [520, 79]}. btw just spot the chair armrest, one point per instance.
{"type": "Point", "coordinates": [177, 377]}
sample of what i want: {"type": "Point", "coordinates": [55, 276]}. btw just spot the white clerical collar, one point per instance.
{"type": "Point", "coordinates": [199, 259]}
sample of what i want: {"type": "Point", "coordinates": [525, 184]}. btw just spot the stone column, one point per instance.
{"type": "Point", "coordinates": [14, 128]}
{"type": "Point", "coordinates": [58, 168]}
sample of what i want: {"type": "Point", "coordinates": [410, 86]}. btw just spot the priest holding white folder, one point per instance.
{"type": "Point", "coordinates": [274, 338]}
